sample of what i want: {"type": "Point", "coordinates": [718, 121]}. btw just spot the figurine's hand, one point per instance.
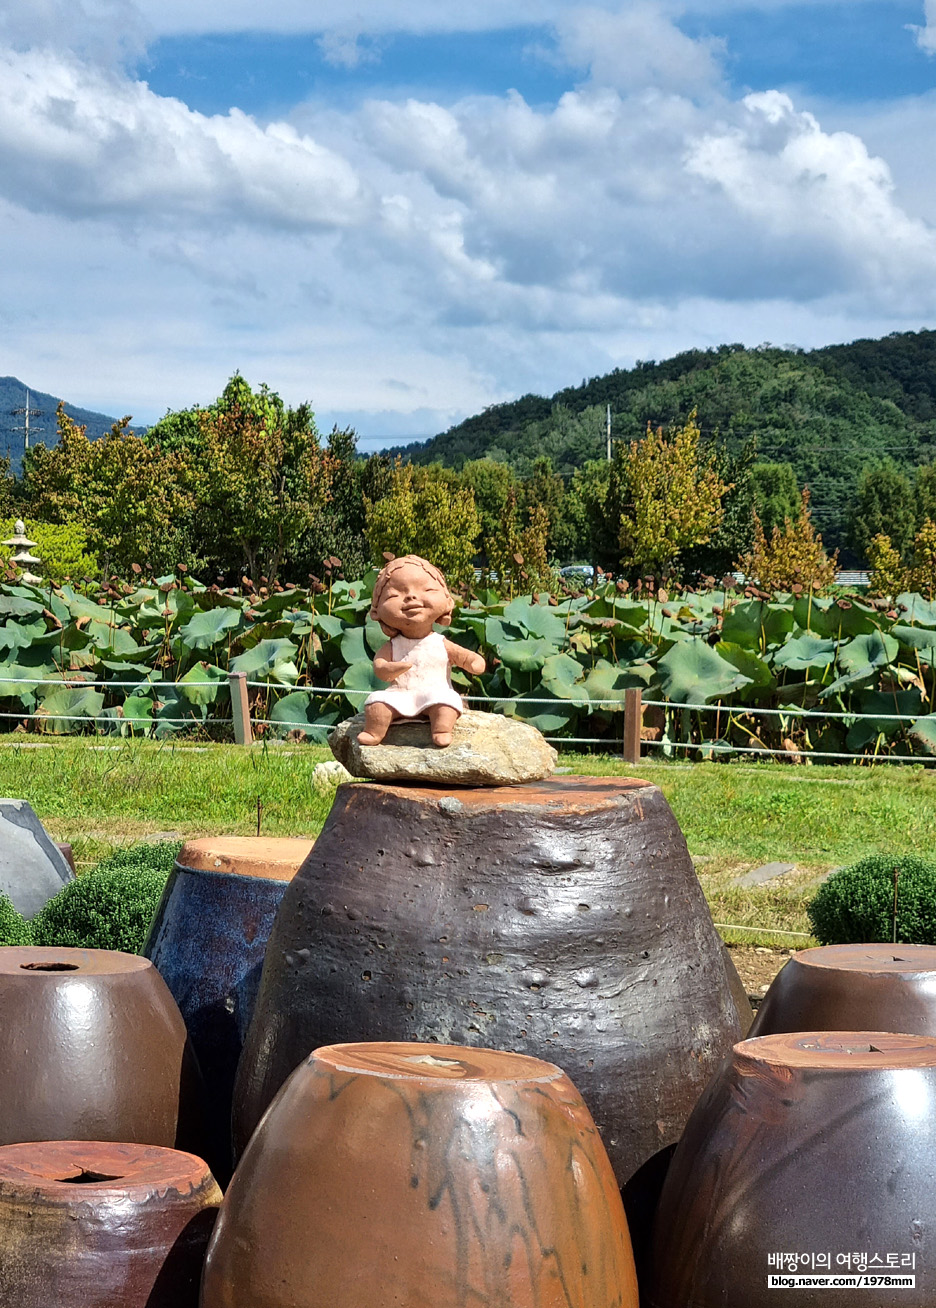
{"type": "Point", "coordinates": [389, 669]}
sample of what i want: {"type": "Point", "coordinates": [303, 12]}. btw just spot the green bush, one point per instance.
{"type": "Point", "coordinates": [62, 547]}
{"type": "Point", "coordinates": [110, 907]}
{"type": "Point", "coordinates": [856, 904]}
{"type": "Point", "coordinates": [14, 930]}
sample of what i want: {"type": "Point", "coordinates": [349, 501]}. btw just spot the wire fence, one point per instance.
{"type": "Point", "coordinates": [245, 717]}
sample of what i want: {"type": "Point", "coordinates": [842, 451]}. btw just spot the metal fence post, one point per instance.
{"type": "Point", "coordinates": [633, 718]}
{"type": "Point", "coordinates": [240, 708]}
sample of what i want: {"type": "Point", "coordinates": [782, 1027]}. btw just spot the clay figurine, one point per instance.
{"type": "Point", "coordinates": [410, 597]}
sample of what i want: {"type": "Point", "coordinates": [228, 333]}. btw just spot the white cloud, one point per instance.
{"type": "Point", "coordinates": [80, 140]}
{"type": "Point", "coordinates": [637, 46]}
{"type": "Point", "coordinates": [420, 259]}
{"type": "Point", "coordinates": [926, 35]}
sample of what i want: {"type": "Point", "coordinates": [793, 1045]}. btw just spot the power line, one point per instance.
{"type": "Point", "coordinates": [26, 413]}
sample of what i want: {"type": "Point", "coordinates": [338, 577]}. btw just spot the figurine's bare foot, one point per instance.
{"type": "Point", "coordinates": [442, 719]}
{"type": "Point", "coordinates": [377, 719]}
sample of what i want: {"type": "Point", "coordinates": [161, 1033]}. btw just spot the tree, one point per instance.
{"type": "Point", "coordinates": [129, 495]}
{"type": "Point", "coordinates": [793, 557]}
{"type": "Point", "coordinates": [776, 494]}
{"type": "Point", "coordinates": [426, 511]}
{"type": "Point", "coordinates": [883, 504]}
{"type": "Point", "coordinates": [665, 496]}
{"type": "Point", "coordinates": [924, 494]}
{"type": "Point", "coordinates": [264, 481]}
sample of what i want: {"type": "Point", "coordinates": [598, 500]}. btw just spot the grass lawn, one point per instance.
{"type": "Point", "coordinates": [735, 817]}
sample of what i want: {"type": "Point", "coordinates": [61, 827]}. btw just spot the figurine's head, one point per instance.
{"type": "Point", "coordinates": [410, 595]}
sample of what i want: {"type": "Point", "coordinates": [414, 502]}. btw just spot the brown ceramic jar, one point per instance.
{"type": "Point", "coordinates": [423, 1175]}
{"type": "Point", "coordinates": [92, 1225]}
{"type": "Point", "coordinates": [815, 1146]}
{"type": "Point", "coordinates": [561, 919]}
{"type": "Point", "coordinates": [93, 1047]}
{"type": "Point", "coordinates": [853, 988]}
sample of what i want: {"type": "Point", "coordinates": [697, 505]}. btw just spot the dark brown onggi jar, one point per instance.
{"type": "Point", "coordinates": [561, 919]}
{"type": "Point", "coordinates": [93, 1047]}
{"type": "Point", "coordinates": [853, 988]}
{"type": "Point", "coordinates": [809, 1155]}
{"type": "Point", "coordinates": [423, 1175]}
{"type": "Point", "coordinates": [98, 1225]}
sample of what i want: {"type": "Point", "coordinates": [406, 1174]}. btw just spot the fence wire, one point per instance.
{"type": "Point", "coordinates": [354, 697]}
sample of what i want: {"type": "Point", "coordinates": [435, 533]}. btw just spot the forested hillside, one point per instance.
{"type": "Point", "coordinates": [42, 420]}
{"type": "Point", "coordinates": [829, 413]}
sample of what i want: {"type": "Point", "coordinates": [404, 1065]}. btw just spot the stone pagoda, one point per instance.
{"type": "Point", "coordinates": [22, 559]}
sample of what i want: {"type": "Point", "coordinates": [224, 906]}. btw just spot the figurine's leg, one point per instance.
{"type": "Point", "coordinates": [442, 719]}
{"type": "Point", "coordinates": [377, 718]}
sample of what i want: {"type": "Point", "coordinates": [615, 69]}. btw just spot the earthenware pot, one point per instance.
{"type": "Point", "coordinates": [208, 939]}
{"type": "Point", "coordinates": [561, 919]}
{"type": "Point", "coordinates": [423, 1175]}
{"type": "Point", "coordinates": [90, 1225]}
{"type": "Point", "coordinates": [93, 1047]}
{"type": "Point", "coordinates": [853, 988]}
{"type": "Point", "coordinates": [812, 1146]}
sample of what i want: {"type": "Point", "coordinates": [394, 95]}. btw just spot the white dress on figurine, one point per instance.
{"type": "Point", "coordinates": [427, 682]}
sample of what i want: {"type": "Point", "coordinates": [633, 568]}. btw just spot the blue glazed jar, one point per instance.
{"type": "Point", "coordinates": [208, 940]}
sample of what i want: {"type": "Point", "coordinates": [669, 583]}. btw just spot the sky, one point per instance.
{"type": "Point", "coordinates": [405, 210]}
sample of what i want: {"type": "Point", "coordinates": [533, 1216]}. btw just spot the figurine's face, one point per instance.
{"type": "Point", "coordinates": [412, 602]}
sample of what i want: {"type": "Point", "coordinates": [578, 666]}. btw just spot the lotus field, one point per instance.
{"type": "Point", "coordinates": [155, 659]}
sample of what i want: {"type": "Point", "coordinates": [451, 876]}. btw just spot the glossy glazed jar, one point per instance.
{"type": "Point", "coordinates": [853, 988]}
{"type": "Point", "coordinates": [422, 1175]}
{"type": "Point", "coordinates": [208, 939]}
{"type": "Point", "coordinates": [561, 919]}
{"type": "Point", "coordinates": [91, 1225]}
{"type": "Point", "coordinates": [816, 1147]}
{"type": "Point", "coordinates": [93, 1047]}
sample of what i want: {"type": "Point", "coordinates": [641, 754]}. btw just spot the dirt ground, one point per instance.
{"type": "Point", "coordinates": [757, 967]}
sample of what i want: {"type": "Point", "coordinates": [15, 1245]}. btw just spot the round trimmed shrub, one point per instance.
{"type": "Point", "coordinates": [110, 907]}
{"type": "Point", "coordinates": [856, 904]}
{"type": "Point", "coordinates": [14, 929]}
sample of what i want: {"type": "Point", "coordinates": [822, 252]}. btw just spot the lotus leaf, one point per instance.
{"type": "Point", "coordinates": [757, 624]}
{"type": "Point", "coordinates": [210, 627]}
{"type": "Point", "coordinates": [537, 619]}
{"type": "Point", "coordinates": [203, 683]}
{"type": "Point", "coordinates": [20, 606]}
{"type": "Point", "coordinates": [563, 676]}
{"type": "Point", "coordinates": [607, 685]}
{"type": "Point", "coordinates": [259, 662]}
{"type": "Point", "coordinates": [693, 673]}
{"type": "Point", "coordinates": [66, 709]}
{"type": "Point", "coordinates": [749, 665]}
{"type": "Point", "coordinates": [19, 635]}
{"type": "Point", "coordinates": [805, 651]}
{"type": "Point", "coordinates": [874, 650]}
{"type": "Point", "coordinates": [525, 655]}
{"type": "Point", "coordinates": [914, 638]}
{"type": "Point", "coordinates": [914, 608]}
{"type": "Point", "coordinates": [307, 712]}
{"type": "Point", "coordinates": [826, 617]}
{"type": "Point", "coordinates": [923, 732]}
{"type": "Point", "coordinates": [542, 716]}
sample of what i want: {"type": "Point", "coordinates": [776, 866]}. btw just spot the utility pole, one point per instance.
{"type": "Point", "coordinates": [609, 433]}
{"type": "Point", "coordinates": [26, 413]}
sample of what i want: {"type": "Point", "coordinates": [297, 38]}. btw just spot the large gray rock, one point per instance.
{"type": "Point", "coordinates": [32, 868]}
{"type": "Point", "coordinates": [487, 749]}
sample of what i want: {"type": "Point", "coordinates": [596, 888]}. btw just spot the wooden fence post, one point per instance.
{"type": "Point", "coordinates": [633, 719]}
{"type": "Point", "coordinates": [240, 708]}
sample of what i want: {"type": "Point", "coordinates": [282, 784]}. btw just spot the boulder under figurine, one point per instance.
{"type": "Point", "coordinates": [410, 596]}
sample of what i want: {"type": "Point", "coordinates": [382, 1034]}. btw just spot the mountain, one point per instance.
{"type": "Point", "coordinates": [42, 427]}
{"type": "Point", "coordinates": [828, 412]}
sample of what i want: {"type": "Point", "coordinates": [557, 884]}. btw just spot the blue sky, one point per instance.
{"type": "Point", "coordinates": [431, 207]}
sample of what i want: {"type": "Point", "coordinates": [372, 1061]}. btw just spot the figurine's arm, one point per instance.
{"type": "Point", "coordinates": [460, 657]}
{"type": "Point", "coordinates": [385, 667]}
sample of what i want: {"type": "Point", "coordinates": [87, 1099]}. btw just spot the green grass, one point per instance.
{"type": "Point", "coordinates": [734, 817]}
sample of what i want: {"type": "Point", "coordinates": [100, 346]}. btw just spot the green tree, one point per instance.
{"type": "Point", "coordinates": [130, 496]}
{"type": "Point", "coordinates": [883, 504]}
{"type": "Point", "coordinates": [793, 556]}
{"type": "Point", "coordinates": [665, 496]}
{"type": "Point", "coordinates": [491, 483]}
{"type": "Point", "coordinates": [426, 511]}
{"type": "Point", "coordinates": [776, 493]}
{"type": "Point", "coordinates": [924, 494]}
